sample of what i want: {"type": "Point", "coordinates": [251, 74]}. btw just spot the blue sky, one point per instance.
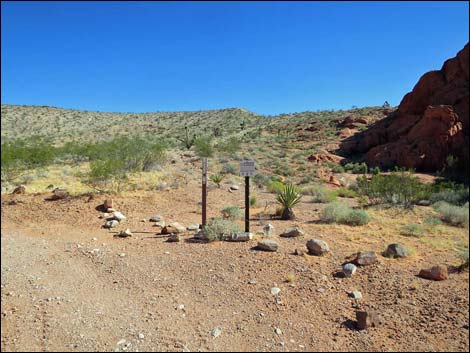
{"type": "Point", "coordinates": [268, 57]}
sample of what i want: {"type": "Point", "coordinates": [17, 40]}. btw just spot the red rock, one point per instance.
{"type": "Point", "coordinates": [19, 190]}
{"type": "Point", "coordinates": [108, 203]}
{"type": "Point", "coordinates": [334, 181]}
{"type": "Point", "coordinates": [366, 319]}
{"type": "Point", "coordinates": [430, 124]}
{"type": "Point", "coordinates": [436, 273]}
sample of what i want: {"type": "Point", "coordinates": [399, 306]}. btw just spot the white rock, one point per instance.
{"type": "Point", "coordinates": [141, 336]}
{"type": "Point", "coordinates": [119, 216]}
{"type": "Point", "coordinates": [275, 290]}
{"type": "Point", "coordinates": [349, 269]}
{"type": "Point", "coordinates": [268, 230]}
{"type": "Point", "coordinates": [216, 332]}
{"type": "Point", "coordinates": [278, 331]}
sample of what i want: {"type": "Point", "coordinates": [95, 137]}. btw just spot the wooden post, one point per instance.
{"type": "Point", "coordinates": [247, 204]}
{"type": "Point", "coordinates": [204, 191]}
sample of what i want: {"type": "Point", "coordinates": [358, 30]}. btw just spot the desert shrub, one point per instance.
{"type": "Point", "coordinates": [337, 212]}
{"type": "Point", "coordinates": [319, 194]}
{"type": "Point", "coordinates": [464, 257]}
{"type": "Point", "coordinates": [275, 187]}
{"type": "Point", "coordinates": [253, 201]}
{"type": "Point", "coordinates": [232, 212]}
{"type": "Point", "coordinates": [337, 168]}
{"type": "Point", "coordinates": [219, 229]}
{"type": "Point", "coordinates": [217, 179]}
{"type": "Point", "coordinates": [454, 215]}
{"type": "Point", "coordinates": [412, 230]}
{"type": "Point", "coordinates": [18, 156]}
{"type": "Point", "coordinates": [112, 162]}
{"type": "Point", "coordinates": [375, 171]}
{"type": "Point", "coordinates": [356, 168]}
{"type": "Point", "coordinates": [260, 180]}
{"type": "Point", "coordinates": [398, 188]}
{"type": "Point", "coordinates": [345, 192]}
{"type": "Point", "coordinates": [432, 221]}
{"type": "Point", "coordinates": [108, 174]}
{"type": "Point", "coordinates": [229, 169]}
{"type": "Point", "coordinates": [230, 145]}
{"type": "Point", "coordinates": [454, 194]}
{"type": "Point", "coordinates": [203, 146]}
{"type": "Point", "coordinates": [306, 179]}
{"type": "Point", "coordinates": [288, 197]}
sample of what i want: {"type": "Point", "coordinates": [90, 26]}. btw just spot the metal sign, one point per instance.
{"type": "Point", "coordinates": [247, 168]}
{"type": "Point", "coordinates": [204, 191]}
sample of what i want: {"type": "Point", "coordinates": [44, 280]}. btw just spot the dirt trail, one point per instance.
{"type": "Point", "coordinates": [63, 290]}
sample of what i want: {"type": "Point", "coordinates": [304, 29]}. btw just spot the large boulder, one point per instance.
{"type": "Point", "coordinates": [430, 124]}
{"type": "Point", "coordinates": [435, 273]}
{"type": "Point", "coordinates": [396, 251]}
{"type": "Point", "coordinates": [317, 247]}
{"type": "Point", "coordinates": [267, 245]}
{"type": "Point", "coordinates": [292, 233]}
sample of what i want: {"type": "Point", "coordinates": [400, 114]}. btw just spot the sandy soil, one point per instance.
{"type": "Point", "coordinates": [68, 284]}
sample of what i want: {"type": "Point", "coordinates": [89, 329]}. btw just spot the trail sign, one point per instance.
{"type": "Point", "coordinates": [204, 190]}
{"type": "Point", "coordinates": [247, 168]}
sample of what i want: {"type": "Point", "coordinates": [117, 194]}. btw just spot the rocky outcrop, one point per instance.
{"type": "Point", "coordinates": [430, 124]}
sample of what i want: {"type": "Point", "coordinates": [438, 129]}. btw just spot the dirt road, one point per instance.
{"type": "Point", "coordinates": [69, 285]}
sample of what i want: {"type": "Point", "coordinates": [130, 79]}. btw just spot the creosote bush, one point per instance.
{"type": "Point", "coordinates": [398, 188]}
{"type": "Point", "coordinates": [319, 193]}
{"type": "Point", "coordinates": [338, 212]}
{"type": "Point", "coordinates": [219, 229]}
{"type": "Point", "coordinates": [412, 230]}
{"type": "Point", "coordinates": [232, 212]}
{"type": "Point", "coordinates": [454, 215]}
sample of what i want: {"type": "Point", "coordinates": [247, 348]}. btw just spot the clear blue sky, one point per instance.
{"type": "Point", "coordinates": [268, 57]}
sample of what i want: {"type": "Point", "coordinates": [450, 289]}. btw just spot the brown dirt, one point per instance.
{"type": "Point", "coordinates": [59, 294]}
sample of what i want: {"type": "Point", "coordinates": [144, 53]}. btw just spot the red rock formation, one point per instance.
{"type": "Point", "coordinates": [430, 124]}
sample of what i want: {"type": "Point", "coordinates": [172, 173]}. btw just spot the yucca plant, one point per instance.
{"type": "Point", "coordinates": [217, 179]}
{"type": "Point", "coordinates": [288, 197]}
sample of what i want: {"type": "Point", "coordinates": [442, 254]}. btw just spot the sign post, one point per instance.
{"type": "Point", "coordinates": [204, 191]}
{"type": "Point", "coordinates": [247, 169]}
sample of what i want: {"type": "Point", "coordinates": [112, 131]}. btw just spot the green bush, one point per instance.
{"type": "Point", "coordinates": [337, 212]}
{"type": "Point", "coordinates": [232, 212]}
{"type": "Point", "coordinates": [457, 195]}
{"type": "Point", "coordinates": [412, 230]}
{"type": "Point", "coordinates": [432, 221]}
{"type": "Point", "coordinates": [398, 188]}
{"type": "Point", "coordinates": [19, 156]}
{"type": "Point", "coordinates": [260, 180]}
{"type": "Point", "coordinates": [230, 145]}
{"type": "Point", "coordinates": [253, 201]}
{"type": "Point", "coordinates": [275, 187]}
{"type": "Point", "coordinates": [345, 192]}
{"type": "Point", "coordinates": [356, 168]}
{"type": "Point", "coordinates": [319, 194]}
{"type": "Point", "coordinates": [219, 229]}
{"type": "Point", "coordinates": [229, 169]}
{"type": "Point", "coordinates": [203, 147]}
{"type": "Point", "coordinates": [454, 215]}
